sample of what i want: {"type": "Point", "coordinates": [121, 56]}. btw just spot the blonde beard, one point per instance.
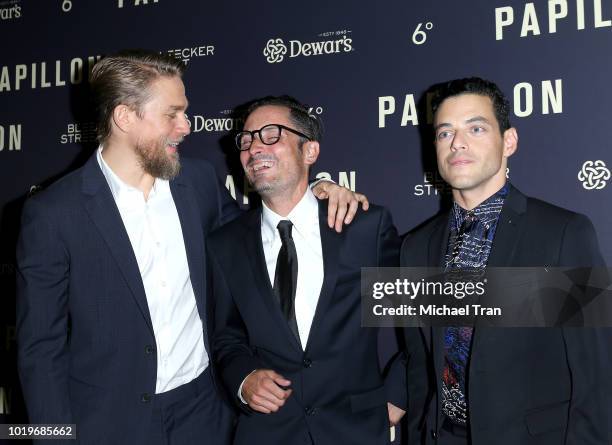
{"type": "Point", "coordinates": [155, 161]}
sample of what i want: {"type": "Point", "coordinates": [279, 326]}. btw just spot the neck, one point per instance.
{"type": "Point", "coordinates": [472, 198]}
{"type": "Point", "coordinates": [282, 204]}
{"type": "Point", "coordinates": [124, 162]}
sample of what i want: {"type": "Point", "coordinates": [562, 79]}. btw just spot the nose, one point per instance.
{"type": "Point", "coordinates": [458, 142]}
{"type": "Point", "coordinates": [183, 125]}
{"type": "Point", "coordinates": [256, 145]}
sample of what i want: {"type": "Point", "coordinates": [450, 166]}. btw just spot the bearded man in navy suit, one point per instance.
{"type": "Point", "coordinates": [112, 324]}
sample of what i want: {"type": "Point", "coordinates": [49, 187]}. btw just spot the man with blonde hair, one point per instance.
{"type": "Point", "coordinates": [112, 325]}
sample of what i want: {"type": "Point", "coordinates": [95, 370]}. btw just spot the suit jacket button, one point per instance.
{"type": "Point", "coordinates": [307, 363]}
{"type": "Point", "coordinates": [310, 411]}
{"type": "Point", "coordinates": [145, 398]}
{"type": "Point", "coordinates": [149, 349]}
{"type": "Point", "coordinates": [434, 434]}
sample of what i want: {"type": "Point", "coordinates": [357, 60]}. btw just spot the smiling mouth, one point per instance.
{"type": "Point", "coordinates": [261, 166]}
{"type": "Point", "coordinates": [172, 146]}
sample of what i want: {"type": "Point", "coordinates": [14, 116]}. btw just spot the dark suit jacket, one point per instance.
{"type": "Point", "coordinates": [86, 347]}
{"type": "Point", "coordinates": [338, 392]}
{"type": "Point", "coordinates": [524, 385]}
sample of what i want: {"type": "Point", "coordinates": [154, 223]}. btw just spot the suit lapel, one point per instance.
{"type": "Point", "coordinates": [331, 242]}
{"type": "Point", "coordinates": [438, 242]}
{"type": "Point", "coordinates": [507, 236]}
{"type": "Point", "coordinates": [509, 229]}
{"type": "Point", "coordinates": [190, 218]}
{"type": "Point", "coordinates": [438, 246]}
{"type": "Point", "coordinates": [103, 211]}
{"type": "Point", "coordinates": [257, 262]}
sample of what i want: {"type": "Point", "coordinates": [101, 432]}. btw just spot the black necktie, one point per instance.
{"type": "Point", "coordinates": [285, 277]}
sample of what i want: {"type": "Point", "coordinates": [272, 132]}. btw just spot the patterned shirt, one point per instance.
{"type": "Point", "coordinates": [469, 245]}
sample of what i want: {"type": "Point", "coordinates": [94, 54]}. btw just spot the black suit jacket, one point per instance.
{"type": "Point", "coordinates": [86, 347]}
{"type": "Point", "coordinates": [338, 392]}
{"type": "Point", "coordinates": [524, 385]}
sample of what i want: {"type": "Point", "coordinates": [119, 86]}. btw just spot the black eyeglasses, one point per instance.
{"type": "Point", "coordinates": [268, 134]}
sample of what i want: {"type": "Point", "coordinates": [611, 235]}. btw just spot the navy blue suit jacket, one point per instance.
{"type": "Point", "coordinates": [339, 395]}
{"type": "Point", "coordinates": [86, 347]}
{"type": "Point", "coordinates": [528, 386]}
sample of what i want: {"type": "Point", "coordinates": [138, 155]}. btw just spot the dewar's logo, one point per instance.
{"type": "Point", "coordinates": [594, 175]}
{"type": "Point", "coordinates": [276, 49]}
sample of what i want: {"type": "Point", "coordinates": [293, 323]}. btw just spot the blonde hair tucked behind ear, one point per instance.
{"type": "Point", "coordinates": [125, 78]}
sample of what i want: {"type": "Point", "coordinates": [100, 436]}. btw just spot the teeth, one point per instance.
{"type": "Point", "coordinates": [174, 144]}
{"type": "Point", "coordinates": [262, 165]}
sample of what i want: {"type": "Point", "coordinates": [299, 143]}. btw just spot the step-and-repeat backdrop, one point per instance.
{"type": "Point", "coordinates": [363, 66]}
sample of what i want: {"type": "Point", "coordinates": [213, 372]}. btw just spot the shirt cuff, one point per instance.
{"type": "Point", "coordinates": [314, 183]}
{"type": "Point", "coordinates": [240, 387]}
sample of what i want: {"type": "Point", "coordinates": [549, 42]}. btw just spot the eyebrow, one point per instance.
{"type": "Point", "coordinates": [179, 107]}
{"type": "Point", "coordinates": [442, 125]}
{"type": "Point", "coordinates": [478, 119]}
{"type": "Point", "coordinates": [469, 121]}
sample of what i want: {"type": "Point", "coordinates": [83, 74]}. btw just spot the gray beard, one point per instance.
{"type": "Point", "coordinates": [263, 189]}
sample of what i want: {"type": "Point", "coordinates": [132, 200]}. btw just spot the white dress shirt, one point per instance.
{"type": "Point", "coordinates": [156, 236]}
{"type": "Point", "coordinates": [307, 239]}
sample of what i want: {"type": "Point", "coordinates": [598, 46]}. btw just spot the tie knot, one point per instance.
{"type": "Point", "coordinates": [284, 229]}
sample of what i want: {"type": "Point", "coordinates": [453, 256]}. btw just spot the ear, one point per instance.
{"type": "Point", "coordinates": [510, 138]}
{"type": "Point", "coordinates": [310, 152]}
{"type": "Point", "coordinates": [123, 117]}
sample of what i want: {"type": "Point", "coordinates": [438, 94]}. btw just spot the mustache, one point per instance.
{"type": "Point", "coordinates": [261, 157]}
{"type": "Point", "coordinates": [174, 141]}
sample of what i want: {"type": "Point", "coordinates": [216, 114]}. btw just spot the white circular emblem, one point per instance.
{"type": "Point", "coordinates": [594, 175]}
{"type": "Point", "coordinates": [275, 50]}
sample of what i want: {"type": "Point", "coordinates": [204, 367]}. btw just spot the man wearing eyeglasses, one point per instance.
{"type": "Point", "coordinates": [288, 336]}
{"type": "Point", "coordinates": [112, 320]}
